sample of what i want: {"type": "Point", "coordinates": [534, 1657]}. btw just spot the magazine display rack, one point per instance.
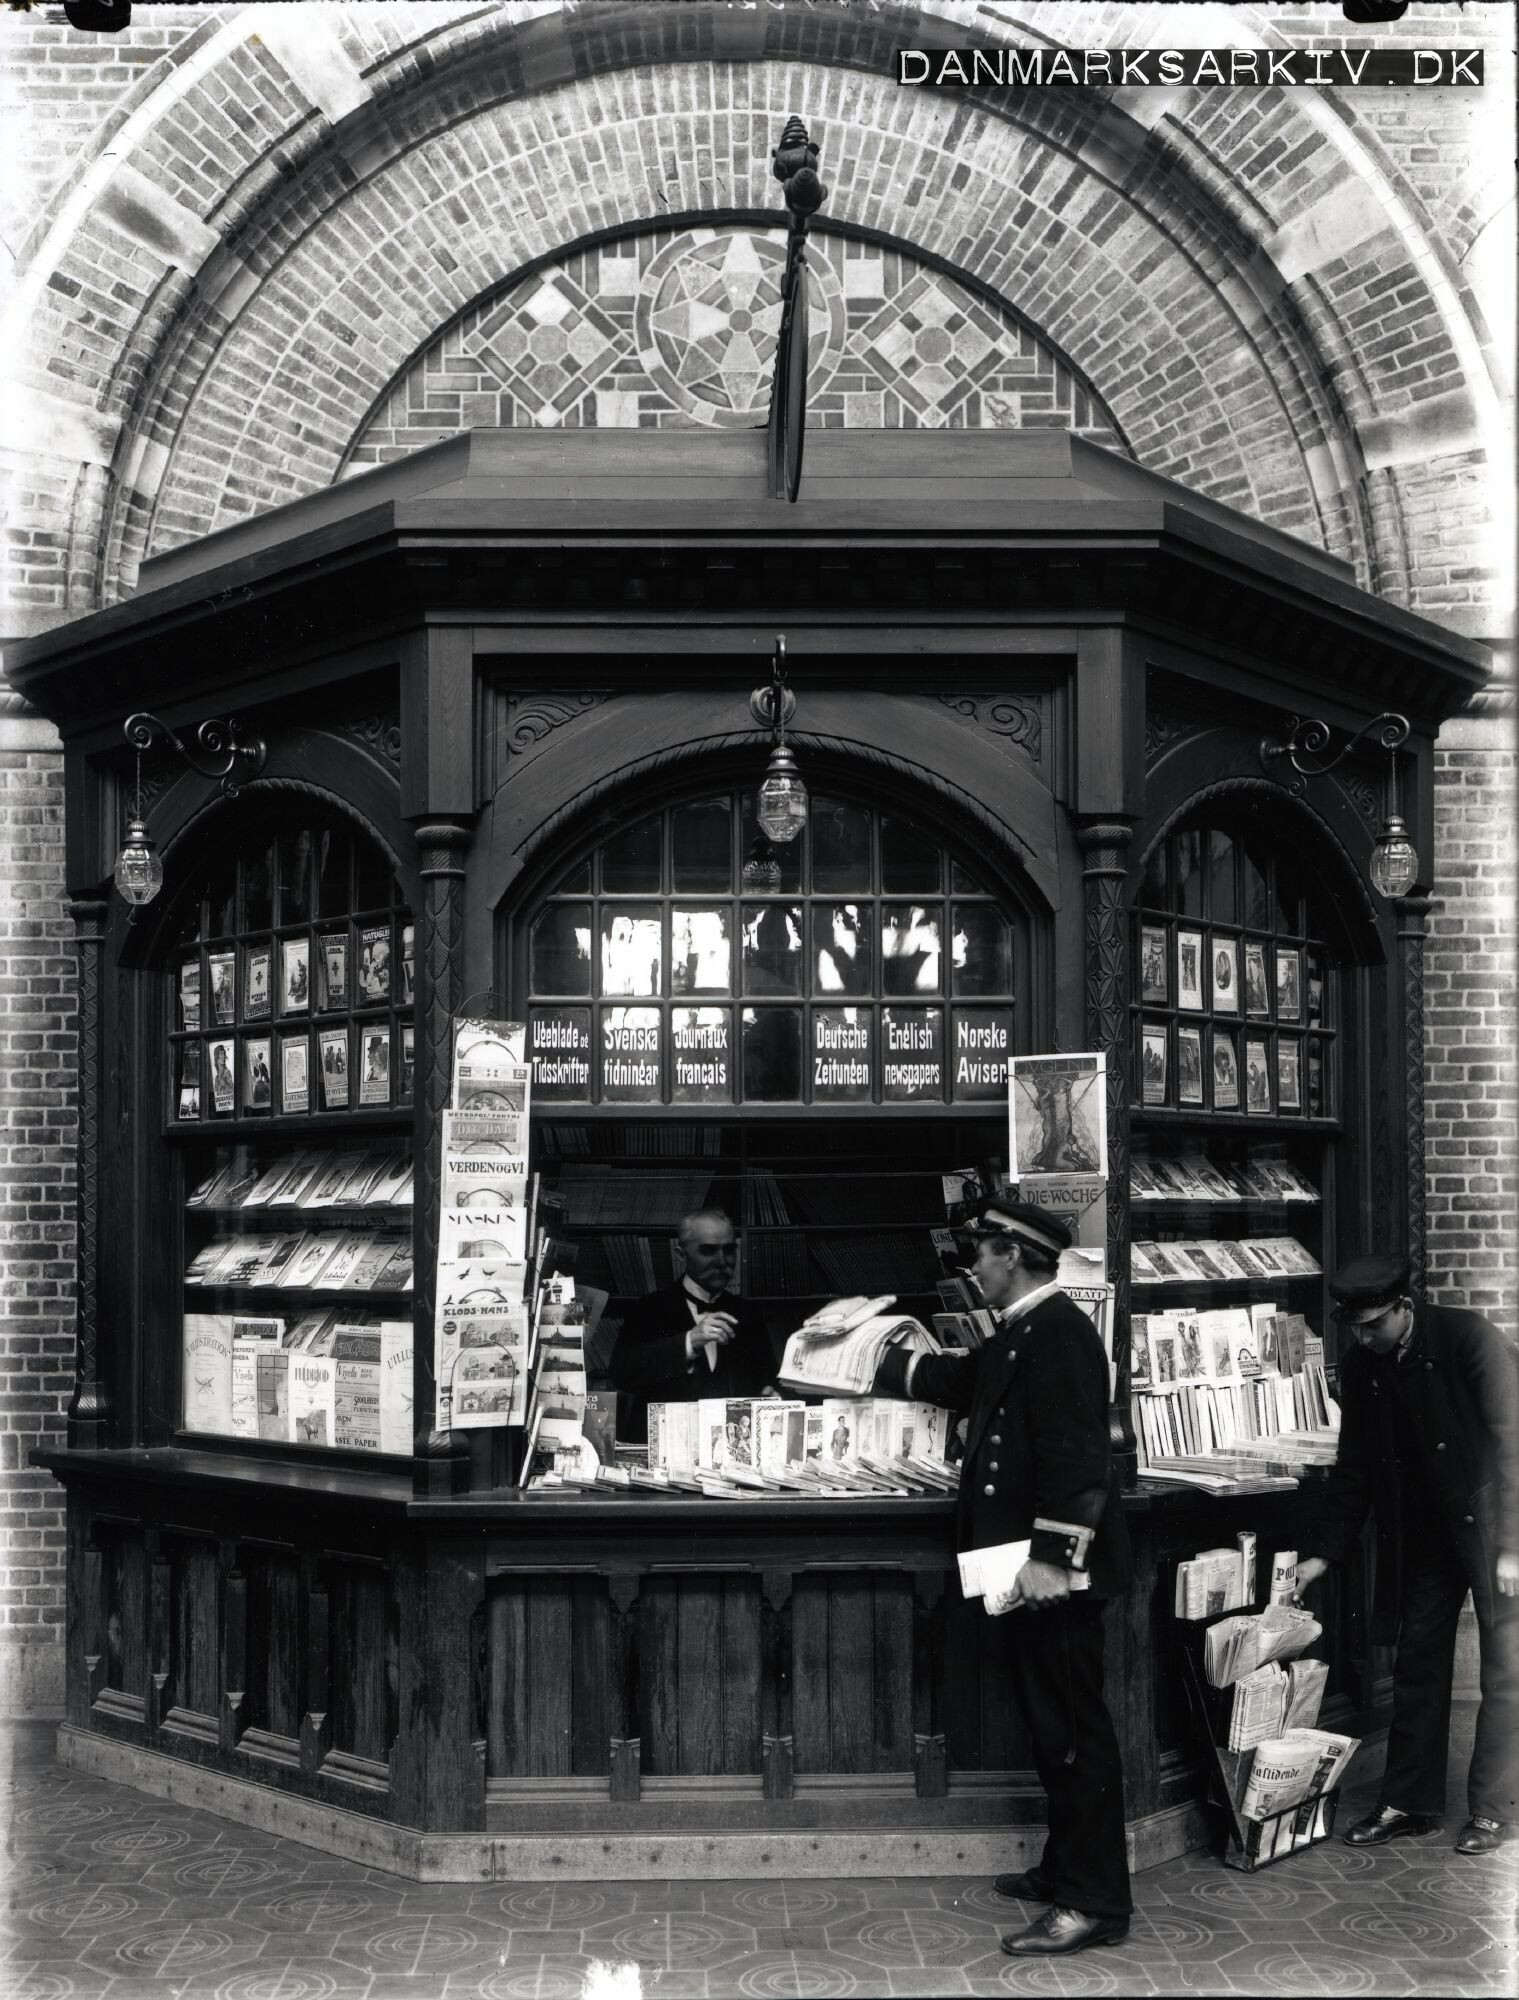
{"type": "Point", "coordinates": [1249, 1844]}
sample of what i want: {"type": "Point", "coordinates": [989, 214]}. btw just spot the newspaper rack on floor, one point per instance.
{"type": "Point", "coordinates": [1278, 1790]}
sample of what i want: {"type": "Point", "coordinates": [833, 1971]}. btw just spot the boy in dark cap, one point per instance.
{"type": "Point", "coordinates": [1038, 1468]}
{"type": "Point", "coordinates": [1430, 1439]}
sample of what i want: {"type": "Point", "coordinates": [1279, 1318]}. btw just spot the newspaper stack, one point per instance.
{"type": "Point", "coordinates": [1237, 1646]}
{"type": "Point", "coordinates": [1274, 1699]}
{"type": "Point", "coordinates": [837, 1351]}
{"type": "Point", "coordinates": [1290, 1769]}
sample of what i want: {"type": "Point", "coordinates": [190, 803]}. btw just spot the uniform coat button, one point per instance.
{"type": "Point", "coordinates": [989, 1491]}
{"type": "Point", "coordinates": [1469, 1519]}
{"type": "Point", "coordinates": [1440, 1446]}
{"type": "Point", "coordinates": [996, 1437]}
{"type": "Point", "coordinates": [995, 1467]}
{"type": "Point", "coordinates": [1429, 1365]}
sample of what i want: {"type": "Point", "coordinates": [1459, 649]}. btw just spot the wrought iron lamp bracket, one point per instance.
{"type": "Point", "coordinates": [221, 751]}
{"type": "Point", "coordinates": [1308, 738]}
{"type": "Point", "coordinates": [774, 705]}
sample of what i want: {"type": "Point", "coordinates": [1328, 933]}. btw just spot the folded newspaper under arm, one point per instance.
{"type": "Point", "coordinates": [991, 1573]}
{"type": "Point", "coordinates": [838, 1350]}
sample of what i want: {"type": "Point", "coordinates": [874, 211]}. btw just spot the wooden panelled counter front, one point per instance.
{"type": "Point", "coordinates": [543, 1687]}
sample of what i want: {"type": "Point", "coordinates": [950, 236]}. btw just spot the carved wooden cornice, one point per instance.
{"type": "Point", "coordinates": [1017, 719]}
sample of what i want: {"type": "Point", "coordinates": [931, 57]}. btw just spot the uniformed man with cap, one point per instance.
{"type": "Point", "coordinates": [1429, 1439]}
{"type": "Point", "coordinates": [1038, 1468]}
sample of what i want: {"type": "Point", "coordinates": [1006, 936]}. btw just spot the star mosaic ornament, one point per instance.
{"type": "Point", "coordinates": [709, 316]}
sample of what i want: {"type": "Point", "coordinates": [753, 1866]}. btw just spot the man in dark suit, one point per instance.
{"type": "Point", "coordinates": [1429, 1439]}
{"type": "Point", "coordinates": [1038, 1468]}
{"type": "Point", "coordinates": [692, 1338]}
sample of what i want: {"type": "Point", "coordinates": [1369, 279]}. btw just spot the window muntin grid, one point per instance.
{"type": "Point", "coordinates": [1234, 997]}
{"type": "Point", "coordinates": [876, 969]}
{"type": "Point", "coordinates": [294, 959]}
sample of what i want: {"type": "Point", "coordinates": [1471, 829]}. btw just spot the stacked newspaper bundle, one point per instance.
{"type": "Point", "coordinates": [838, 1350]}
{"type": "Point", "coordinates": [1276, 1698]}
{"type": "Point", "coordinates": [1217, 1580]}
{"type": "Point", "coordinates": [1295, 1769]}
{"type": "Point", "coordinates": [1236, 1646]}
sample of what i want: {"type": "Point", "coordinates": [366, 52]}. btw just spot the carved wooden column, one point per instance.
{"type": "Point", "coordinates": [441, 1465]}
{"type": "Point", "coordinates": [1104, 847]}
{"type": "Point", "coordinates": [88, 1412]}
{"type": "Point", "coordinates": [1412, 914]}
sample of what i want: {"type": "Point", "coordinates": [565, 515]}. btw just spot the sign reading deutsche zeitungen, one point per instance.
{"type": "Point", "coordinates": [1237, 69]}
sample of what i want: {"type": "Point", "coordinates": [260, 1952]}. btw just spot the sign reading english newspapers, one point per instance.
{"type": "Point", "coordinates": [1166, 69]}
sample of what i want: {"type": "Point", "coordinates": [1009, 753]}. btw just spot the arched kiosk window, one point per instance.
{"type": "Point", "coordinates": [685, 961]}
{"type": "Point", "coordinates": [1236, 1014]}
{"type": "Point", "coordinates": [811, 1036]}
{"type": "Point", "coordinates": [291, 959]}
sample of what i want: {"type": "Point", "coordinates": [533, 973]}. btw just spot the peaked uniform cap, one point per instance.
{"type": "Point", "coordinates": [1366, 1287]}
{"type": "Point", "coordinates": [1021, 1220]}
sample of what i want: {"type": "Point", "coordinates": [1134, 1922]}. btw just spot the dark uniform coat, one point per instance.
{"type": "Point", "coordinates": [1464, 1402]}
{"type": "Point", "coordinates": [649, 1362]}
{"type": "Point", "coordinates": [1038, 1463]}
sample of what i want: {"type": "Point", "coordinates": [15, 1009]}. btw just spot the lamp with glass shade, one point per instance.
{"type": "Point", "coordinates": [782, 802]}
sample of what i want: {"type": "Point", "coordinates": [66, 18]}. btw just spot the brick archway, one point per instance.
{"type": "Point", "coordinates": [1253, 286]}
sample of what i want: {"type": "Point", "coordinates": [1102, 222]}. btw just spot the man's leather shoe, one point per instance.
{"type": "Point", "coordinates": [1029, 1887]}
{"type": "Point", "coordinates": [1061, 1930]}
{"type": "Point", "coordinates": [1387, 1823]}
{"type": "Point", "coordinates": [1482, 1836]}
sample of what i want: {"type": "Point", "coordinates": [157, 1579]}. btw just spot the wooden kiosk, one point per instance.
{"type": "Point", "coordinates": [504, 688]}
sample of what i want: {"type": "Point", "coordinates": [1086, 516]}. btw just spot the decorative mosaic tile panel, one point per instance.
{"type": "Point", "coordinates": [678, 327]}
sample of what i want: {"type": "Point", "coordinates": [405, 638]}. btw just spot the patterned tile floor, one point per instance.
{"type": "Point", "coordinates": [109, 1895]}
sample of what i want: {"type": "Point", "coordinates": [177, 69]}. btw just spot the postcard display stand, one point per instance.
{"type": "Point", "coordinates": [1240, 1778]}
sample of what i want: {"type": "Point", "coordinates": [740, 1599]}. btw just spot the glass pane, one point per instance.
{"type": "Point", "coordinates": [983, 1041]}
{"type": "Point", "coordinates": [1315, 994]}
{"type": "Point", "coordinates": [295, 878]}
{"type": "Point", "coordinates": [981, 951]}
{"type": "Point", "coordinates": [1318, 1094]}
{"type": "Point", "coordinates": [963, 882]}
{"type": "Point", "coordinates": [701, 1055]}
{"type": "Point", "coordinates": [559, 1043]}
{"type": "Point", "coordinates": [630, 1054]}
{"type": "Point", "coordinates": [630, 949]}
{"type": "Point", "coordinates": [1153, 891]}
{"type": "Point", "coordinates": [371, 877]}
{"type": "Point", "coordinates": [909, 859]}
{"type": "Point", "coordinates": [840, 846]}
{"type": "Point", "coordinates": [560, 952]}
{"type": "Point", "coordinates": [912, 1052]}
{"type": "Point", "coordinates": [1257, 910]}
{"type": "Point", "coordinates": [756, 845]}
{"type": "Point", "coordinates": [1189, 874]}
{"type": "Point", "coordinates": [909, 948]}
{"type": "Point", "coordinates": [701, 841]}
{"type": "Point", "coordinates": [841, 948]}
{"type": "Point", "coordinates": [841, 1066]}
{"type": "Point", "coordinates": [189, 920]}
{"type": "Point", "coordinates": [575, 881]}
{"type": "Point", "coordinates": [187, 1098]}
{"type": "Point", "coordinates": [332, 885]}
{"type": "Point", "coordinates": [1221, 876]}
{"type": "Point", "coordinates": [258, 890]}
{"type": "Point", "coordinates": [630, 861]}
{"type": "Point", "coordinates": [1289, 894]}
{"type": "Point", "coordinates": [772, 1053]}
{"type": "Point", "coordinates": [701, 951]}
{"type": "Point", "coordinates": [772, 934]}
{"type": "Point", "coordinates": [221, 900]}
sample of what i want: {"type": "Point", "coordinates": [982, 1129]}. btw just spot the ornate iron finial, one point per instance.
{"type": "Point", "coordinates": [794, 163]}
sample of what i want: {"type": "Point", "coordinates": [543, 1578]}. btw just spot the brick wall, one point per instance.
{"type": "Point", "coordinates": [1472, 1087]}
{"type": "Point", "coordinates": [38, 1119]}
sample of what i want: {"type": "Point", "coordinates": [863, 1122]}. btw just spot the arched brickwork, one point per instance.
{"type": "Point", "coordinates": [1251, 282]}
{"type": "Point", "coordinates": [677, 326]}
